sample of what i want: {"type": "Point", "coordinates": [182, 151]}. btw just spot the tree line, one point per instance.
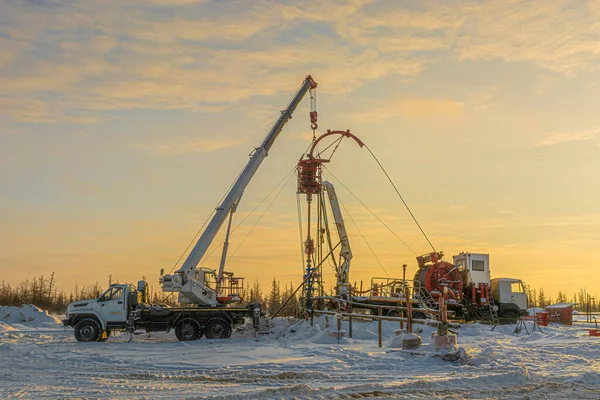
{"type": "Point", "coordinates": [538, 298]}
{"type": "Point", "coordinates": [275, 299]}
{"type": "Point", "coordinates": [43, 292]}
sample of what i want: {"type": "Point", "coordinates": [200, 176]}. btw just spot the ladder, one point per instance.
{"type": "Point", "coordinates": [493, 312]}
{"type": "Point", "coordinates": [426, 301]}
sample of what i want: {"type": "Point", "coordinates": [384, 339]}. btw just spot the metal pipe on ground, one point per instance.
{"type": "Point", "coordinates": [423, 310]}
{"type": "Point", "coordinates": [428, 322]}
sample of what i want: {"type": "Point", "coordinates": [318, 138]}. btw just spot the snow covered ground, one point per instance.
{"type": "Point", "coordinates": [39, 359]}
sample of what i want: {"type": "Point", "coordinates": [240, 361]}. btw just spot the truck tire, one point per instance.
{"type": "Point", "coordinates": [87, 330]}
{"type": "Point", "coordinates": [218, 328]}
{"type": "Point", "coordinates": [188, 329]}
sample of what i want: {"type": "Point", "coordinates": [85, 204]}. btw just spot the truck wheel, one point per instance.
{"type": "Point", "coordinates": [87, 330]}
{"type": "Point", "coordinates": [187, 329]}
{"type": "Point", "coordinates": [218, 328]}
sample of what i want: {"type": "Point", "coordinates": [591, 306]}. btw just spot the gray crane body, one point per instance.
{"type": "Point", "coordinates": [191, 282]}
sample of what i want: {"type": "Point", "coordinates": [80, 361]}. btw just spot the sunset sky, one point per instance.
{"type": "Point", "coordinates": [123, 122]}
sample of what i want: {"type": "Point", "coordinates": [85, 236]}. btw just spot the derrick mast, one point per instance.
{"type": "Point", "coordinates": [310, 182]}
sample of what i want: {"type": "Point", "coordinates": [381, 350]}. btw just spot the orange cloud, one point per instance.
{"type": "Point", "coordinates": [558, 138]}
{"type": "Point", "coordinates": [425, 108]}
{"type": "Point", "coordinates": [415, 108]}
{"type": "Point", "coordinates": [187, 145]}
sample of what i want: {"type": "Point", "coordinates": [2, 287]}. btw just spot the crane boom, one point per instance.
{"type": "Point", "coordinates": [186, 281]}
{"type": "Point", "coordinates": [343, 268]}
{"type": "Point", "coordinates": [256, 158]}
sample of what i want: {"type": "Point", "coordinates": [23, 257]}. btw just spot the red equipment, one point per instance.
{"type": "Point", "coordinates": [542, 318]}
{"type": "Point", "coordinates": [309, 176]}
{"type": "Point", "coordinates": [434, 274]}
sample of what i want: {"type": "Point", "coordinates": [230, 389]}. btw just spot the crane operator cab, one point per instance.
{"type": "Point", "coordinates": [197, 289]}
{"type": "Point", "coordinates": [205, 288]}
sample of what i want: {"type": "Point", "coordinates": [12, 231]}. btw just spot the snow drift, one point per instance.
{"type": "Point", "coordinates": [25, 317]}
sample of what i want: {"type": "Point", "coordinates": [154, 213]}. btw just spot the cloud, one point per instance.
{"type": "Point", "coordinates": [558, 138]}
{"type": "Point", "coordinates": [585, 220]}
{"type": "Point", "coordinates": [32, 110]}
{"type": "Point", "coordinates": [546, 83]}
{"type": "Point", "coordinates": [425, 108]}
{"type": "Point", "coordinates": [187, 145]}
{"type": "Point", "coordinates": [80, 57]}
{"type": "Point", "coordinates": [414, 108]}
{"type": "Point", "coordinates": [556, 36]}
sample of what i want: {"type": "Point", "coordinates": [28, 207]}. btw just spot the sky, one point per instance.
{"type": "Point", "coordinates": [123, 122]}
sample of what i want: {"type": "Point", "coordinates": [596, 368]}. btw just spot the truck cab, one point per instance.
{"type": "Point", "coordinates": [93, 318]}
{"type": "Point", "coordinates": [510, 297]}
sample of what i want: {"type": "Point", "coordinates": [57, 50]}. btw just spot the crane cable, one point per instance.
{"type": "Point", "coordinates": [289, 176]}
{"type": "Point", "coordinates": [193, 240]}
{"type": "Point", "coordinates": [363, 237]}
{"type": "Point", "coordinates": [205, 222]}
{"type": "Point", "coordinates": [401, 198]}
{"type": "Point", "coordinates": [201, 229]}
{"type": "Point", "coordinates": [300, 229]}
{"type": "Point", "coordinates": [286, 177]}
{"type": "Point", "coordinates": [371, 211]}
{"type": "Point", "coordinates": [336, 142]}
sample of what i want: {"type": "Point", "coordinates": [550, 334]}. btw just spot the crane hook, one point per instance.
{"type": "Point", "coordinates": [313, 120]}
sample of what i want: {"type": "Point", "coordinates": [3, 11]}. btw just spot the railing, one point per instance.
{"type": "Point", "coordinates": [379, 318]}
{"type": "Point", "coordinates": [231, 288]}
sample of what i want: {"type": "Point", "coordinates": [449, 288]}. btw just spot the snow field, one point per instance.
{"type": "Point", "coordinates": [297, 360]}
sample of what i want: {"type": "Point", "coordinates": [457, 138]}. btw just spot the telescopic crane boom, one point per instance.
{"type": "Point", "coordinates": [191, 283]}
{"type": "Point", "coordinates": [343, 268]}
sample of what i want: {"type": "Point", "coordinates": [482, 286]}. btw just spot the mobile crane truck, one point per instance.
{"type": "Point", "coordinates": [207, 294]}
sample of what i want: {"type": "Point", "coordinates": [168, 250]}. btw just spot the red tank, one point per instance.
{"type": "Point", "coordinates": [434, 274]}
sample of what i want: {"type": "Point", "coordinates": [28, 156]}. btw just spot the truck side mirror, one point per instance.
{"type": "Point", "coordinates": [162, 271]}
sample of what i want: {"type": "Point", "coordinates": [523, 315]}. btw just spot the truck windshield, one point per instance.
{"type": "Point", "coordinates": [208, 278]}
{"type": "Point", "coordinates": [114, 293]}
{"type": "Point", "coordinates": [517, 287]}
